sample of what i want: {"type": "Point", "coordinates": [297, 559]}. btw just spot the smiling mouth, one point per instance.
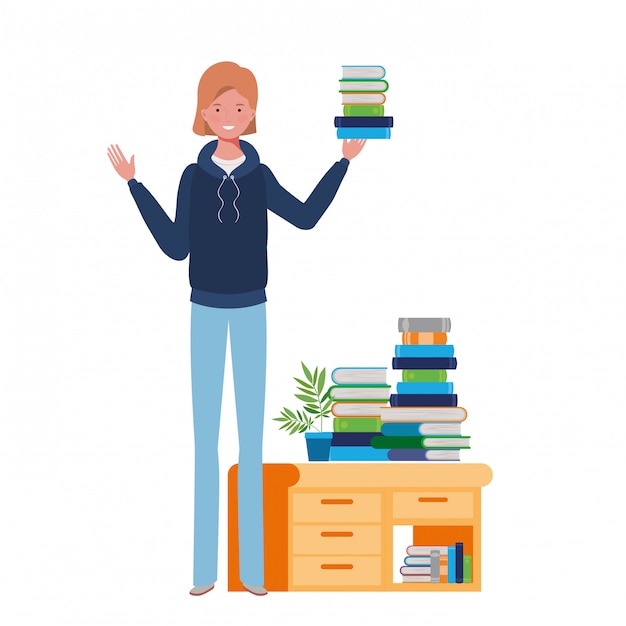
{"type": "Point", "coordinates": [228, 127]}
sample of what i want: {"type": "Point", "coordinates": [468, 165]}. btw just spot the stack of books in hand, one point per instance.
{"type": "Point", "coordinates": [423, 421]}
{"type": "Point", "coordinates": [358, 395]}
{"type": "Point", "coordinates": [362, 89]}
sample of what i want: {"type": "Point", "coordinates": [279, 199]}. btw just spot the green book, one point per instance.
{"type": "Point", "coordinates": [467, 568]}
{"type": "Point", "coordinates": [352, 393]}
{"type": "Point", "coordinates": [442, 442]}
{"type": "Point", "coordinates": [424, 376]}
{"type": "Point", "coordinates": [357, 425]}
{"type": "Point", "coordinates": [374, 85]}
{"type": "Point", "coordinates": [364, 110]}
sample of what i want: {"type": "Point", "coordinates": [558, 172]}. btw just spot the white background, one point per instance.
{"type": "Point", "coordinates": [498, 203]}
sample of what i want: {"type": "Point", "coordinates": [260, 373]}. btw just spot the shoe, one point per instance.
{"type": "Point", "coordinates": [255, 589]}
{"type": "Point", "coordinates": [198, 591]}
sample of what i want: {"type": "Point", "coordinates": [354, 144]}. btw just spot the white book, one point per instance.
{"type": "Point", "coordinates": [359, 375]}
{"type": "Point", "coordinates": [345, 392]}
{"type": "Point", "coordinates": [356, 409]}
{"type": "Point", "coordinates": [423, 414]}
{"type": "Point", "coordinates": [363, 71]}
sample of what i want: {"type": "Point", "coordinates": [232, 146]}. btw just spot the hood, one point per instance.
{"type": "Point", "coordinates": [252, 160]}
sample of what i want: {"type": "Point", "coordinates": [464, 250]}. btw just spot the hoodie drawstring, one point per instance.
{"type": "Point", "coordinates": [219, 212]}
{"type": "Point", "coordinates": [236, 198]}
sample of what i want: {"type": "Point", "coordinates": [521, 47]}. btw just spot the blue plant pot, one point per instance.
{"type": "Point", "coordinates": [318, 445]}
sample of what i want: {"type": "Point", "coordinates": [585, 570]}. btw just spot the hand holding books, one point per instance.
{"type": "Point", "coordinates": [352, 147]}
{"type": "Point", "coordinates": [362, 90]}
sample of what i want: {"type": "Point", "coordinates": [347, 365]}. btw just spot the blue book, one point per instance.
{"type": "Point", "coordinates": [420, 454]}
{"type": "Point", "coordinates": [363, 133]}
{"type": "Point", "coordinates": [363, 121]}
{"type": "Point", "coordinates": [420, 429]}
{"type": "Point", "coordinates": [357, 453]}
{"type": "Point", "coordinates": [423, 399]}
{"type": "Point", "coordinates": [459, 563]}
{"type": "Point", "coordinates": [436, 388]}
{"type": "Point", "coordinates": [451, 564]}
{"type": "Point", "coordinates": [436, 350]}
{"type": "Point", "coordinates": [353, 439]}
{"type": "Point", "coordinates": [423, 363]}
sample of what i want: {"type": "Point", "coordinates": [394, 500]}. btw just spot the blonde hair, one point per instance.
{"type": "Point", "coordinates": [216, 80]}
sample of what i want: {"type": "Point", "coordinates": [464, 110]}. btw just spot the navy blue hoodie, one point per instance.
{"type": "Point", "coordinates": [221, 223]}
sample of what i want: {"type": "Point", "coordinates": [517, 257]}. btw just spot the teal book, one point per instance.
{"type": "Point", "coordinates": [364, 133]}
{"type": "Point", "coordinates": [359, 376]}
{"type": "Point", "coordinates": [440, 442]}
{"type": "Point", "coordinates": [420, 429]}
{"type": "Point", "coordinates": [424, 350]}
{"type": "Point", "coordinates": [451, 564]}
{"type": "Point", "coordinates": [357, 453]}
{"type": "Point", "coordinates": [420, 387]}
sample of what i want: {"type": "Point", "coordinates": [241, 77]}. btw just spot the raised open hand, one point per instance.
{"type": "Point", "coordinates": [125, 169]}
{"type": "Point", "coordinates": [352, 147]}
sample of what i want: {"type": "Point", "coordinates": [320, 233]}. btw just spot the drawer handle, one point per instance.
{"type": "Point", "coordinates": [337, 501]}
{"type": "Point", "coordinates": [432, 499]}
{"type": "Point", "coordinates": [329, 533]}
{"type": "Point", "coordinates": [337, 566]}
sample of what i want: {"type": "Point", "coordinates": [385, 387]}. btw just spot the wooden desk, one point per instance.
{"type": "Point", "coordinates": [331, 526]}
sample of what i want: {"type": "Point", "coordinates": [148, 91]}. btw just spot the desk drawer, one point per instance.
{"type": "Point", "coordinates": [336, 571]}
{"type": "Point", "coordinates": [326, 539]}
{"type": "Point", "coordinates": [429, 505]}
{"type": "Point", "coordinates": [336, 507]}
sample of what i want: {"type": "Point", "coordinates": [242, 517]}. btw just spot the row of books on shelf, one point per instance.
{"type": "Point", "coordinates": [437, 564]}
{"type": "Point", "coordinates": [421, 421]}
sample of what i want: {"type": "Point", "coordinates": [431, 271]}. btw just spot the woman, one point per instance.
{"type": "Point", "coordinates": [221, 223]}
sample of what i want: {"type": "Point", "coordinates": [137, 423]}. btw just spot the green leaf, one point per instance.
{"type": "Point", "coordinates": [307, 390]}
{"type": "Point", "coordinates": [326, 395]}
{"type": "Point", "coordinates": [291, 414]}
{"type": "Point", "coordinates": [303, 383]}
{"type": "Point", "coordinates": [321, 381]}
{"type": "Point", "coordinates": [305, 398]}
{"type": "Point", "coordinates": [314, 381]}
{"type": "Point", "coordinates": [307, 373]}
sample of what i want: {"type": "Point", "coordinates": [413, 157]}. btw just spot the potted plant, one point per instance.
{"type": "Point", "coordinates": [310, 418]}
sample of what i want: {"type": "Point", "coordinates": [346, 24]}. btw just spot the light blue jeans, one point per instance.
{"type": "Point", "coordinates": [209, 328]}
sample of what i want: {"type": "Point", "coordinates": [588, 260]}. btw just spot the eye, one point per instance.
{"type": "Point", "coordinates": [217, 110]}
{"type": "Point", "coordinates": [239, 110]}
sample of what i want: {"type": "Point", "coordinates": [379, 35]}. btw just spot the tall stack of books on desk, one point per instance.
{"type": "Point", "coordinates": [362, 89]}
{"type": "Point", "coordinates": [358, 395]}
{"type": "Point", "coordinates": [423, 421]}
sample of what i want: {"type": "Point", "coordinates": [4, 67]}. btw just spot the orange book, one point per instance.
{"type": "Point", "coordinates": [424, 338]}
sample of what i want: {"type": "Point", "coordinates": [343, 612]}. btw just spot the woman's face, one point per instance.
{"type": "Point", "coordinates": [229, 114]}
